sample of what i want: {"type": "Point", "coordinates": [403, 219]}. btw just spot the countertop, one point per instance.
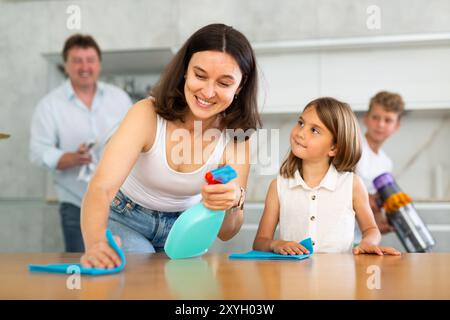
{"type": "Point", "coordinates": [214, 276]}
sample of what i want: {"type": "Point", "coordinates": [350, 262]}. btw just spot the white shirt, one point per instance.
{"type": "Point", "coordinates": [324, 213]}
{"type": "Point", "coordinates": [371, 165]}
{"type": "Point", "coordinates": [61, 122]}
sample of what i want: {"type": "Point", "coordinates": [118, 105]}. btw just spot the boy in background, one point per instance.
{"type": "Point", "coordinates": [382, 120]}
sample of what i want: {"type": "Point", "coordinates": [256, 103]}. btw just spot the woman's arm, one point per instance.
{"type": "Point", "coordinates": [370, 234]}
{"type": "Point", "coordinates": [135, 134]}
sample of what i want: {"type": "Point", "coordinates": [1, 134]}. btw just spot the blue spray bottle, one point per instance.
{"type": "Point", "coordinates": [196, 229]}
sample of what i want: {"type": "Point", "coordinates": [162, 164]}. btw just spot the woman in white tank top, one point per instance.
{"type": "Point", "coordinates": [316, 194]}
{"type": "Point", "coordinates": [153, 167]}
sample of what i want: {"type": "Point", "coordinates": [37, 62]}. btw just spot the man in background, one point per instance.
{"type": "Point", "coordinates": [69, 123]}
{"type": "Point", "coordinates": [382, 120]}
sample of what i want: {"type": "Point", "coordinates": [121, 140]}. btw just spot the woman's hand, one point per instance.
{"type": "Point", "coordinates": [101, 255]}
{"type": "Point", "coordinates": [365, 247]}
{"type": "Point", "coordinates": [221, 196]}
{"type": "Point", "coordinates": [288, 247]}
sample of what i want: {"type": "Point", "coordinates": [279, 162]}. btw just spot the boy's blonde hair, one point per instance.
{"type": "Point", "coordinates": [390, 101]}
{"type": "Point", "coordinates": [339, 118]}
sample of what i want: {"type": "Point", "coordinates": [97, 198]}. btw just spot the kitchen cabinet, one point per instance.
{"type": "Point", "coordinates": [125, 68]}
{"type": "Point", "coordinates": [354, 69]}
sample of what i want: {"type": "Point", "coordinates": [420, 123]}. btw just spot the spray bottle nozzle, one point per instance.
{"type": "Point", "coordinates": [220, 175]}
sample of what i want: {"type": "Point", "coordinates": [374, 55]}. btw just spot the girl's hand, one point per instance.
{"type": "Point", "coordinates": [101, 255]}
{"type": "Point", "coordinates": [288, 247]}
{"type": "Point", "coordinates": [371, 248]}
{"type": "Point", "coordinates": [221, 196]}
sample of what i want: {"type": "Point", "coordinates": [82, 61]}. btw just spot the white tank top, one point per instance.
{"type": "Point", "coordinates": [154, 185]}
{"type": "Point", "coordinates": [324, 213]}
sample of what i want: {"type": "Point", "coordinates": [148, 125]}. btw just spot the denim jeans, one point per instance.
{"type": "Point", "coordinates": [140, 229]}
{"type": "Point", "coordinates": [70, 222]}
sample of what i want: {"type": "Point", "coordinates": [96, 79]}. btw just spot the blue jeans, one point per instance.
{"type": "Point", "coordinates": [70, 222]}
{"type": "Point", "coordinates": [140, 229]}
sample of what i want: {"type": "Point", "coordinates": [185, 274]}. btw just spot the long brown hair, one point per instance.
{"type": "Point", "coordinates": [170, 102]}
{"type": "Point", "coordinates": [339, 118]}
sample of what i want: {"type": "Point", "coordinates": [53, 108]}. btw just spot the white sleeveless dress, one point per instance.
{"type": "Point", "coordinates": [324, 213]}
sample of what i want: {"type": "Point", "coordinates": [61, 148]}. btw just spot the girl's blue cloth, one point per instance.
{"type": "Point", "coordinates": [307, 243]}
{"type": "Point", "coordinates": [74, 267]}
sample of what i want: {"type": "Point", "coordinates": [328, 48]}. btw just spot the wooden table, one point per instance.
{"type": "Point", "coordinates": [214, 276]}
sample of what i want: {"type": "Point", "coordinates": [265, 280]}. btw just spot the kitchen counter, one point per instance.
{"type": "Point", "coordinates": [214, 276]}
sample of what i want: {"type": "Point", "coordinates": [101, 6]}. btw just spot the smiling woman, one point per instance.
{"type": "Point", "coordinates": [193, 74]}
{"type": "Point", "coordinates": [208, 91]}
{"type": "Point", "coordinates": [210, 85]}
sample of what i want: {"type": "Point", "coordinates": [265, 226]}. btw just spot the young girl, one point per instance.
{"type": "Point", "coordinates": [317, 194]}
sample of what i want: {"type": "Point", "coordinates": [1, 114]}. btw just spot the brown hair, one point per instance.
{"type": "Point", "coordinates": [339, 118]}
{"type": "Point", "coordinates": [170, 102]}
{"type": "Point", "coordinates": [82, 41]}
{"type": "Point", "coordinates": [391, 102]}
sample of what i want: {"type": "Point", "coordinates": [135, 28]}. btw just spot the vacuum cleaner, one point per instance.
{"type": "Point", "coordinates": [402, 215]}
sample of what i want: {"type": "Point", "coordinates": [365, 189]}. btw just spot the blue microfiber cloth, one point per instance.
{"type": "Point", "coordinates": [64, 268]}
{"type": "Point", "coordinates": [263, 255]}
